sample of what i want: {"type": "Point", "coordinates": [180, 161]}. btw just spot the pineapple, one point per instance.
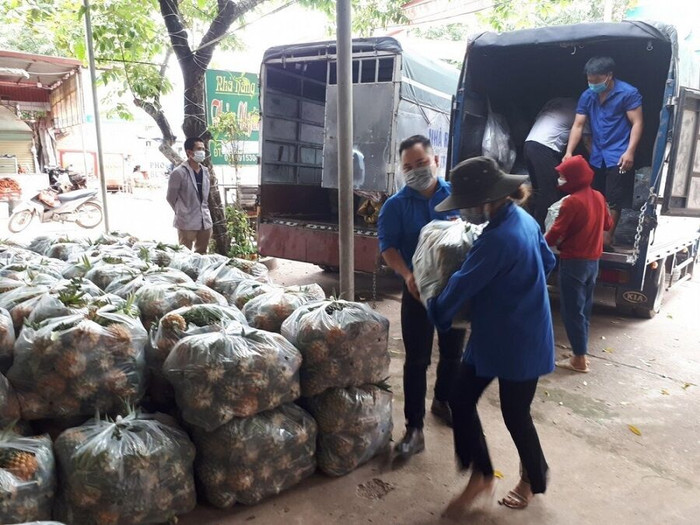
{"type": "Point", "coordinates": [71, 364]}
{"type": "Point", "coordinates": [19, 463]}
{"type": "Point", "coordinates": [51, 386]}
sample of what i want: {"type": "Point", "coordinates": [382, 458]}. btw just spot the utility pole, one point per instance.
{"type": "Point", "coordinates": [96, 106]}
{"type": "Point", "coordinates": [346, 214]}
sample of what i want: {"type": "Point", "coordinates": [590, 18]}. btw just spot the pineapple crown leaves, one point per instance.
{"type": "Point", "coordinates": [85, 263]}
{"type": "Point", "coordinates": [72, 295]}
{"type": "Point", "coordinates": [144, 254]}
{"type": "Point", "coordinates": [203, 316]}
{"type": "Point", "coordinates": [112, 260]}
{"type": "Point", "coordinates": [384, 385]}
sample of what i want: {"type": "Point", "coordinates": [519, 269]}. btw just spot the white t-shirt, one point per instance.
{"type": "Point", "coordinates": [553, 123]}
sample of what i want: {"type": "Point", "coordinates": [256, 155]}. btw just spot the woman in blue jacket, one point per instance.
{"type": "Point", "coordinates": [504, 281]}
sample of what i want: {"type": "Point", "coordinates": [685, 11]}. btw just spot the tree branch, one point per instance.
{"type": "Point", "coordinates": [163, 69]}
{"type": "Point", "coordinates": [161, 120]}
{"type": "Point", "coordinates": [228, 13]}
{"type": "Point", "coordinates": [170, 10]}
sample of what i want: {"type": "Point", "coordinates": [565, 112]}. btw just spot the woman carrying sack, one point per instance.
{"type": "Point", "coordinates": [504, 279]}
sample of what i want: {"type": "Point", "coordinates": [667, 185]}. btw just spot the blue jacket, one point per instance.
{"type": "Point", "coordinates": [404, 214]}
{"type": "Point", "coordinates": [504, 276]}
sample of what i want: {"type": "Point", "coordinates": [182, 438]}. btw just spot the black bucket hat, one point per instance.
{"type": "Point", "coordinates": [478, 181]}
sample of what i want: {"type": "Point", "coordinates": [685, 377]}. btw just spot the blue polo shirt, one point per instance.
{"type": "Point", "coordinates": [610, 126]}
{"type": "Point", "coordinates": [505, 279]}
{"type": "Point", "coordinates": [404, 214]}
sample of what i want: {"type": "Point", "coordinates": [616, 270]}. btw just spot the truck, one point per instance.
{"type": "Point", "coordinates": [397, 92]}
{"type": "Point", "coordinates": [513, 74]}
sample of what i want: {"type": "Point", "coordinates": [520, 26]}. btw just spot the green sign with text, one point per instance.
{"type": "Point", "coordinates": [237, 94]}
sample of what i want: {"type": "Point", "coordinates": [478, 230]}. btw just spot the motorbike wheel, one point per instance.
{"type": "Point", "coordinates": [19, 221]}
{"type": "Point", "coordinates": [89, 215]}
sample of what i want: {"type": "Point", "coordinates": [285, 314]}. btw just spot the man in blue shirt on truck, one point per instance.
{"type": "Point", "coordinates": [614, 110]}
{"type": "Point", "coordinates": [400, 222]}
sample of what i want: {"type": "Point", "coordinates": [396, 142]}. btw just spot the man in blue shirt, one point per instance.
{"type": "Point", "coordinates": [400, 222]}
{"type": "Point", "coordinates": [614, 110]}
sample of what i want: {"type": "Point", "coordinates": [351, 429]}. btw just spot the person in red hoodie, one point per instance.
{"type": "Point", "coordinates": [577, 232]}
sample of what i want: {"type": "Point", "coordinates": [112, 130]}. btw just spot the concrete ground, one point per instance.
{"type": "Point", "coordinates": [645, 373]}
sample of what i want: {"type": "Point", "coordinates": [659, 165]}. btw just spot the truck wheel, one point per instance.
{"type": "Point", "coordinates": [656, 289]}
{"type": "Point", "coordinates": [19, 221]}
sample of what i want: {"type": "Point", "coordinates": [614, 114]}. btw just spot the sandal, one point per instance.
{"type": "Point", "coordinates": [566, 363]}
{"type": "Point", "coordinates": [514, 500]}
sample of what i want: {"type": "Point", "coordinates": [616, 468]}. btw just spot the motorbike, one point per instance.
{"type": "Point", "coordinates": [79, 206]}
{"type": "Point", "coordinates": [64, 180]}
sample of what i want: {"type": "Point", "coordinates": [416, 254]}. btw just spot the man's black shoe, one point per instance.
{"type": "Point", "coordinates": [412, 443]}
{"type": "Point", "coordinates": [441, 410]}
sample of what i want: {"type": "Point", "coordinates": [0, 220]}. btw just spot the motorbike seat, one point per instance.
{"type": "Point", "coordinates": [74, 195]}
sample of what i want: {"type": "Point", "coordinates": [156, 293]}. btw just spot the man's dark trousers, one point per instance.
{"type": "Point", "coordinates": [417, 332]}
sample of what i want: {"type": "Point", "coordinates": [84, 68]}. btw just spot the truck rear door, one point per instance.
{"type": "Point", "coordinates": [682, 193]}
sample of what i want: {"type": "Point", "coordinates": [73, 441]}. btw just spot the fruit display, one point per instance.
{"type": "Point", "coordinates": [9, 405]}
{"type": "Point", "coordinates": [354, 425]}
{"type": "Point", "coordinates": [442, 249]}
{"type": "Point", "coordinates": [129, 471]}
{"type": "Point", "coordinates": [156, 300]}
{"type": "Point", "coordinates": [75, 365]}
{"type": "Point", "coordinates": [127, 285]}
{"type": "Point", "coordinates": [193, 263]}
{"type": "Point", "coordinates": [343, 344]}
{"type": "Point", "coordinates": [7, 340]}
{"type": "Point", "coordinates": [27, 478]}
{"type": "Point", "coordinates": [234, 372]}
{"type": "Point", "coordinates": [269, 310]}
{"type": "Point", "coordinates": [249, 459]}
{"type": "Point", "coordinates": [248, 289]}
{"type": "Point", "coordinates": [185, 321]}
{"type": "Point", "coordinates": [226, 277]}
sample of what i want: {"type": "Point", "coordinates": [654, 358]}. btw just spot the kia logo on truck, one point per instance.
{"type": "Point", "coordinates": [635, 297]}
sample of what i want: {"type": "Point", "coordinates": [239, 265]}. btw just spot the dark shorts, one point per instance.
{"type": "Point", "coordinates": [617, 187]}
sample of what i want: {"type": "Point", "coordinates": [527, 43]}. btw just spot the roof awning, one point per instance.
{"type": "Point", "coordinates": [34, 73]}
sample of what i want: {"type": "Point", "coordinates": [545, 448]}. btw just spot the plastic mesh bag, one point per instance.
{"type": "Point", "coordinates": [193, 263]}
{"type": "Point", "coordinates": [75, 365]}
{"type": "Point", "coordinates": [249, 289]}
{"type": "Point", "coordinates": [497, 142]}
{"type": "Point", "coordinates": [127, 285]}
{"type": "Point", "coordinates": [66, 298]}
{"type": "Point", "coordinates": [108, 269]}
{"type": "Point", "coordinates": [249, 459]}
{"type": "Point", "coordinates": [27, 478]}
{"type": "Point", "coordinates": [269, 310]}
{"type": "Point", "coordinates": [131, 471]}
{"type": "Point", "coordinates": [441, 251]}
{"type": "Point", "coordinates": [225, 278]}
{"type": "Point", "coordinates": [354, 425]}
{"type": "Point", "coordinates": [552, 214]}
{"type": "Point", "coordinates": [156, 300]}
{"type": "Point", "coordinates": [7, 340]}
{"type": "Point", "coordinates": [236, 372]}
{"type": "Point", "coordinates": [343, 344]}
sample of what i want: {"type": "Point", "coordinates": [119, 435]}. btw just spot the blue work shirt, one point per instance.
{"type": "Point", "coordinates": [504, 277]}
{"type": "Point", "coordinates": [610, 126]}
{"type": "Point", "coordinates": [404, 214]}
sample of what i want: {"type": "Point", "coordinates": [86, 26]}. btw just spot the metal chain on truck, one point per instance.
{"type": "Point", "coordinates": [640, 225]}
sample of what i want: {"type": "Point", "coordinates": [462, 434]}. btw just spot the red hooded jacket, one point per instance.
{"type": "Point", "coordinates": [578, 230]}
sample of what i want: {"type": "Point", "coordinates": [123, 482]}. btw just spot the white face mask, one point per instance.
{"type": "Point", "coordinates": [561, 181]}
{"type": "Point", "coordinates": [198, 156]}
{"type": "Point", "coordinates": [419, 179]}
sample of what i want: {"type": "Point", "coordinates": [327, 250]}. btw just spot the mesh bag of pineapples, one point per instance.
{"type": "Point", "coordinates": [226, 277]}
{"type": "Point", "coordinates": [127, 285]}
{"type": "Point", "coordinates": [343, 344]}
{"type": "Point", "coordinates": [75, 365]}
{"type": "Point", "coordinates": [249, 289]}
{"type": "Point", "coordinates": [249, 459]}
{"type": "Point", "coordinates": [269, 310]}
{"type": "Point", "coordinates": [173, 327]}
{"type": "Point", "coordinates": [234, 372]}
{"type": "Point", "coordinates": [7, 340]}
{"type": "Point", "coordinates": [129, 471]}
{"type": "Point", "coordinates": [194, 263]}
{"type": "Point", "coordinates": [27, 478]}
{"type": "Point", "coordinates": [354, 425]}
{"type": "Point", "coordinates": [156, 300]}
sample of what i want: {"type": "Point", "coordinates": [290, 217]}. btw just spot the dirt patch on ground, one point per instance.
{"type": "Point", "coordinates": [374, 489]}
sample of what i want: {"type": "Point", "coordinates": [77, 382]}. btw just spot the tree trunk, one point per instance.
{"type": "Point", "coordinates": [195, 125]}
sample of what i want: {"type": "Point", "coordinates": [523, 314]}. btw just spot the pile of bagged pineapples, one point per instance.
{"type": "Point", "coordinates": [130, 369]}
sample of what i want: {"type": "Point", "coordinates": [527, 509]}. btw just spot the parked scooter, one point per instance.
{"type": "Point", "coordinates": [79, 206]}
{"type": "Point", "coordinates": [64, 180]}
